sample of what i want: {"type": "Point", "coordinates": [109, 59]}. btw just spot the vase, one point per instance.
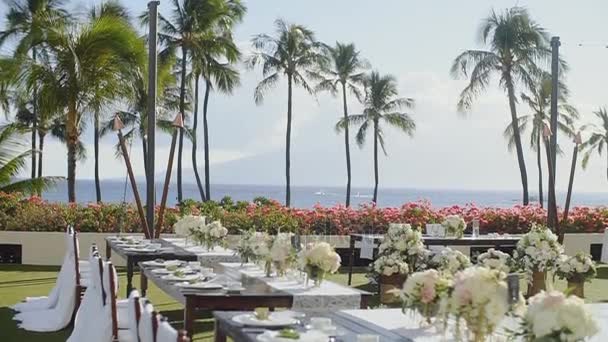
{"type": "Point", "coordinates": [576, 288]}
{"type": "Point", "coordinates": [538, 283]}
{"type": "Point", "coordinates": [281, 268]}
{"type": "Point", "coordinates": [268, 269]}
{"type": "Point", "coordinates": [316, 275]}
{"type": "Point", "coordinates": [389, 285]}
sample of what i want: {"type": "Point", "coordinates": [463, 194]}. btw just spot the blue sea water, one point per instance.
{"type": "Point", "coordinates": [307, 196]}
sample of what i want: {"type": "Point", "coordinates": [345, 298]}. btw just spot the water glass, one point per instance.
{"type": "Point", "coordinates": [476, 228]}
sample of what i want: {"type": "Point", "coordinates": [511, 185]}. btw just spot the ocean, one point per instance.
{"type": "Point", "coordinates": [113, 191]}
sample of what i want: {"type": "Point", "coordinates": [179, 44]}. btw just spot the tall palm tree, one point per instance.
{"type": "Point", "coordinates": [293, 52]}
{"type": "Point", "coordinates": [344, 73]}
{"type": "Point", "coordinates": [539, 101]}
{"type": "Point", "coordinates": [599, 137]}
{"type": "Point", "coordinates": [216, 75]}
{"type": "Point", "coordinates": [28, 22]}
{"type": "Point", "coordinates": [517, 48]}
{"type": "Point", "coordinates": [13, 158]}
{"type": "Point", "coordinates": [381, 106]}
{"type": "Point", "coordinates": [191, 19]}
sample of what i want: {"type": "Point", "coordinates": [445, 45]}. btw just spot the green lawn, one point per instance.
{"type": "Point", "coordinates": [18, 281]}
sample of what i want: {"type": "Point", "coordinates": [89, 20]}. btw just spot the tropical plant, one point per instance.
{"type": "Point", "coordinates": [517, 49]}
{"type": "Point", "coordinates": [293, 52]}
{"type": "Point", "coordinates": [344, 73]}
{"type": "Point", "coordinates": [13, 158]}
{"type": "Point", "coordinates": [599, 137]}
{"type": "Point", "coordinates": [539, 101]}
{"type": "Point", "coordinates": [190, 21]}
{"type": "Point", "coordinates": [28, 22]}
{"type": "Point", "coordinates": [381, 106]}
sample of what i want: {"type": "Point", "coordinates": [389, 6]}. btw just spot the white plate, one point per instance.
{"type": "Point", "coordinates": [274, 321]}
{"type": "Point", "coordinates": [163, 263]}
{"type": "Point", "coordinates": [200, 286]}
{"type": "Point", "coordinates": [187, 277]}
{"type": "Point", "coordinates": [140, 250]}
{"type": "Point", "coordinates": [309, 336]}
{"type": "Point", "coordinates": [330, 330]}
{"type": "Point", "coordinates": [162, 271]}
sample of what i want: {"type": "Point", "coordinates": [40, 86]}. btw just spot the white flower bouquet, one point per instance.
{"type": "Point", "coordinates": [425, 292]}
{"type": "Point", "coordinates": [450, 261]}
{"type": "Point", "coordinates": [480, 299]}
{"type": "Point", "coordinates": [495, 260]}
{"type": "Point", "coordinates": [281, 253]}
{"type": "Point", "coordinates": [454, 226]}
{"type": "Point", "coordinates": [318, 259]}
{"type": "Point", "coordinates": [579, 268]}
{"type": "Point", "coordinates": [253, 246]}
{"type": "Point", "coordinates": [554, 317]}
{"type": "Point", "coordinates": [388, 265]}
{"type": "Point", "coordinates": [210, 235]}
{"type": "Point", "coordinates": [406, 241]}
{"type": "Point", "coordinates": [187, 225]}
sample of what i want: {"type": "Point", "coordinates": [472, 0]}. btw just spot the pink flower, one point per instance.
{"type": "Point", "coordinates": [428, 293]}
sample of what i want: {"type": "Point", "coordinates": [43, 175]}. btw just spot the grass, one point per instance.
{"type": "Point", "coordinates": [19, 281]}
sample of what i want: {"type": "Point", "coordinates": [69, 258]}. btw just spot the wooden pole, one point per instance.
{"type": "Point", "coordinates": [177, 123]}
{"type": "Point", "coordinates": [577, 142]}
{"type": "Point", "coordinates": [118, 126]}
{"type": "Point", "coordinates": [151, 136]}
{"type": "Point", "coordinates": [552, 218]}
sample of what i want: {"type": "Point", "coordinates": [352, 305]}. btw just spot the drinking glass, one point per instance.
{"type": "Point", "coordinates": [476, 228]}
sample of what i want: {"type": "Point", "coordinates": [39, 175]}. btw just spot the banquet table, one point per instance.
{"type": "Point", "coordinates": [350, 326]}
{"type": "Point", "coordinates": [256, 291]}
{"type": "Point", "coordinates": [488, 240]}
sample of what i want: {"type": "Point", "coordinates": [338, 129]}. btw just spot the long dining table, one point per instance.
{"type": "Point", "coordinates": [255, 291]}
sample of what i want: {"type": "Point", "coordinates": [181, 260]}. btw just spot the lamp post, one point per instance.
{"type": "Point", "coordinates": [577, 143]}
{"type": "Point", "coordinates": [151, 137]}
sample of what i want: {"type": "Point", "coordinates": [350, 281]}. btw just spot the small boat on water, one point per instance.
{"type": "Point", "coordinates": [320, 193]}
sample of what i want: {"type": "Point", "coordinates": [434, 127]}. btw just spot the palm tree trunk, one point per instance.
{"type": "Point", "coordinates": [194, 140]}
{"type": "Point", "coordinates": [540, 171]}
{"type": "Point", "coordinates": [96, 152]}
{"type": "Point", "coordinates": [144, 148]}
{"type": "Point", "coordinates": [206, 138]}
{"type": "Point", "coordinates": [288, 145]}
{"type": "Point", "coordinates": [517, 137]}
{"type": "Point", "coordinates": [41, 151]}
{"type": "Point", "coordinates": [72, 142]}
{"type": "Point", "coordinates": [551, 203]}
{"type": "Point", "coordinates": [347, 146]}
{"type": "Point", "coordinates": [375, 161]}
{"type": "Point", "coordinates": [182, 109]}
{"type": "Point", "coordinates": [570, 182]}
{"type": "Point", "coordinates": [34, 121]}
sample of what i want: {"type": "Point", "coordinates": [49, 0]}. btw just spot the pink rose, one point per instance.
{"type": "Point", "coordinates": [427, 293]}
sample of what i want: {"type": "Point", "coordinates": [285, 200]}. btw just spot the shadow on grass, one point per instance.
{"type": "Point", "coordinates": [27, 268]}
{"type": "Point", "coordinates": [602, 272]}
{"type": "Point", "coordinates": [9, 332]}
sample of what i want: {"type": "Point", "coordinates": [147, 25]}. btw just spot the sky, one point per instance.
{"type": "Point", "coordinates": [416, 42]}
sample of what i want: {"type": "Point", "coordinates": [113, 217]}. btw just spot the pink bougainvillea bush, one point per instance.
{"type": "Point", "coordinates": [18, 213]}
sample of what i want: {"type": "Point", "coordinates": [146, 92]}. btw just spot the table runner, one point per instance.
{"type": "Point", "coordinates": [207, 258]}
{"type": "Point", "coordinates": [327, 296]}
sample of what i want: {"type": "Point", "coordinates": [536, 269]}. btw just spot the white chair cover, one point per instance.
{"type": "Point", "coordinates": [54, 312]}
{"type": "Point", "coordinates": [604, 257]}
{"type": "Point", "coordinates": [146, 333]}
{"type": "Point", "coordinates": [131, 318]}
{"type": "Point", "coordinates": [166, 333]}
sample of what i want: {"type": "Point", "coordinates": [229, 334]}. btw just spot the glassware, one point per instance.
{"type": "Point", "coordinates": [475, 228]}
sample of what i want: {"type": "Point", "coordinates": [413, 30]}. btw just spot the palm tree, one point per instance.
{"type": "Point", "coordinates": [217, 75]}
{"type": "Point", "coordinates": [344, 72]}
{"type": "Point", "coordinates": [28, 22]}
{"type": "Point", "coordinates": [598, 139]}
{"type": "Point", "coordinates": [539, 101]}
{"type": "Point", "coordinates": [381, 106]}
{"type": "Point", "coordinates": [293, 52]}
{"type": "Point", "coordinates": [190, 20]}
{"type": "Point", "coordinates": [517, 45]}
{"type": "Point", "coordinates": [13, 158]}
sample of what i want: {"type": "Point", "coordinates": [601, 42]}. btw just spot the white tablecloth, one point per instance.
{"type": "Point", "coordinates": [327, 296]}
{"type": "Point", "coordinates": [206, 257]}
{"type": "Point", "coordinates": [408, 325]}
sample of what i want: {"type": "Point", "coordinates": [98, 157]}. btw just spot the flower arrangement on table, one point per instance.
{"type": "Point", "coordinates": [425, 292]}
{"type": "Point", "coordinates": [454, 226]}
{"type": "Point", "coordinates": [450, 261]}
{"type": "Point", "coordinates": [318, 259]}
{"type": "Point", "coordinates": [480, 299]}
{"type": "Point", "coordinates": [537, 253]}
{"type": "Point", "coordinates": [495, 260]}
{"type": "Point", "coordinates": [576, 270]}
{"type": "Point", "coordinates": [210, 235]}
{"type": "Point", "coordinates": [188, 224]}
{"type": "Point", "coordinates": [281, 254]}
{"type": "Point", "coordinates": [555, 317]}
{"type": "Point", "coordinates": [253, 246]}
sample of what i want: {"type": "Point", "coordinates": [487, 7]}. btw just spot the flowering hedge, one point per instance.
{"type": "Point", "coordinates": [34, 214]}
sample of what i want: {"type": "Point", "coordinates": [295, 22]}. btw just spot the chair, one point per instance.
{"type": "Point", "coordinates": [604, 257]}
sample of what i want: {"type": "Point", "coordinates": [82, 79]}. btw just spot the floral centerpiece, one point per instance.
{"type": "Point", "coordinates": [480, 300]}
{"type": "Point", "coordinates": [450, 261]}
{"type": "Point", "coordinates": [253, 246]}
{"type": "Point", "coordinates": [425, 292]}
{"type": "Point", "coordinates": [536, 253]}
{"type": "Point", "coordinates": [495, 260]}
{"type": "Point", "coordinates": [555, 317]}
{"type": "Point", "coordinates": [188, 224]}
{"type": "Point", "coordinates": [576, 270]}
{"type": "Point", "coordinates": [454, 226]}
{"type": "Point", "coordinates": [281, 254]}
{"type": "Point", "coordinates": [318, 259]}
{"type": "Point", "coordinates": [210, 235]}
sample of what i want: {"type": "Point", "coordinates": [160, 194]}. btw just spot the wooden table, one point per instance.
{"type": "Point", "coordinates": [256, 293]}
{"type": "Point", "coordinates": [133, 258]}
{"type": "Point", "coordinates": [352, 326]}
{"type": "Point", "coordinates": [467, 240]}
